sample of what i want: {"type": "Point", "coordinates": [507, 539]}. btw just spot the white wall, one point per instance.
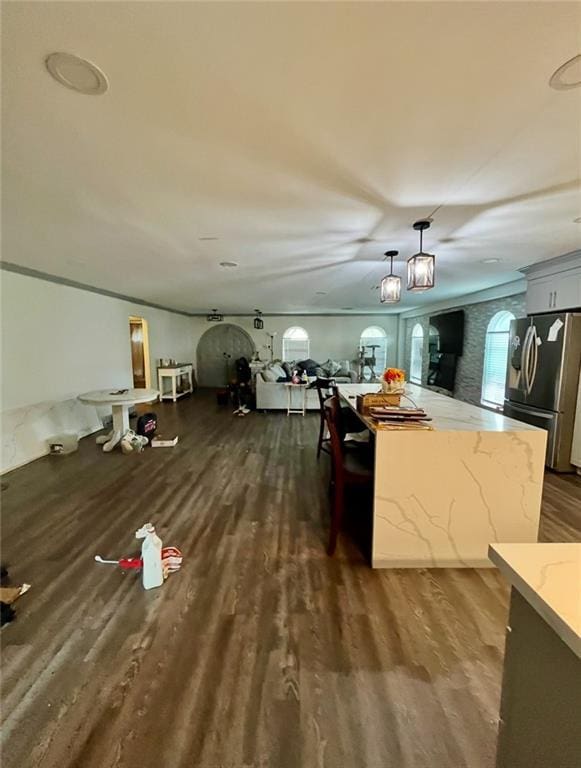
{"type": "Point", "coordinates": [59, 341]}
{"type": "Point", "coordinates": [335, 337]}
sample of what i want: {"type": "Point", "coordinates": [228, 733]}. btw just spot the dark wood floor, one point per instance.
{"type": "Point", "coordinates": [261, 651]}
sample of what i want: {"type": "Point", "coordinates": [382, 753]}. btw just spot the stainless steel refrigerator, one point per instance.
{"type": "Point", "coordinates": [544, 358]}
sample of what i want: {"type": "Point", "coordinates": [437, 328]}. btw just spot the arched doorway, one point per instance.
{"type": "Point", "coordinates": [218, 349]}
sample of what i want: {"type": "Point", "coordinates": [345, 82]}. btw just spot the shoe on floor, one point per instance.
{"type": "Point", "coordinates": [245, 410]}
{"type": "Point", "coordinates": [236, 412]}
{"type": "Point", "coordinates": [127, 441]}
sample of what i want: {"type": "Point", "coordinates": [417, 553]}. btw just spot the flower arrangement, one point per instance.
{"type": "Point", "coordinates": [393, 380]}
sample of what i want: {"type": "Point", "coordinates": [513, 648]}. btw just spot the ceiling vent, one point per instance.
{"type": "Point", "coordinates": [77, 74]}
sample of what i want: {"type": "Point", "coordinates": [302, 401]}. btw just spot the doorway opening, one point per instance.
{"type": "Point", "coordinates": [139, 339]}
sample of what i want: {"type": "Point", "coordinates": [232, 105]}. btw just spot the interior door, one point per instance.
{"type": "Point", "coordinates": [218, 350]}
{"type": "Point", "coordinates": [137, 354]}
{"type": "Point", "coordinates": [546, 361]}
{"type": "Point", "coordinates": [518, 360]}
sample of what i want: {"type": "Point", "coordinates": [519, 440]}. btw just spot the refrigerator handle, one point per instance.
{"type": "Point", "coordinates": [518, 408]}
{"type": "Point", "coordinates": [525, 359]}
{"type": "Point", "coordinates": [535, 359]}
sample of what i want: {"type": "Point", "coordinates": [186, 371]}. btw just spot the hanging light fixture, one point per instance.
{"type": "Point", "coordinates": [390, 291]}
{"type": "Point", "coordinates": [258, 321]}
{"type": "Point", "coordinates": [421, 266]}
{"type": "Point", "coordinates": [215, 316]}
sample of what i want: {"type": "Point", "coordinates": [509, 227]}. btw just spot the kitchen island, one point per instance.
{"type": "Point", "coordinates": [539, 722]}
{"type": "Point", "coordinates": [441, 496]}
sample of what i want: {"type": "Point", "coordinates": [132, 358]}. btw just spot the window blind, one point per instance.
{"type": "Point", "coordinates": [417, 348]}
{"type": "Point", "coordinates": [494, 373]}
{"type": "Point", "coordinates": [380, 352]}
{"type": "Point", "coordinates": [295, 349]}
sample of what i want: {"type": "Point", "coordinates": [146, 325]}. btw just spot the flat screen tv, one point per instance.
{"type": "Point", "coordinates": [450, 332]}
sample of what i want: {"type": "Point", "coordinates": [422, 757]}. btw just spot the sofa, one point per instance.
{"type": "Point", "coordinates": [272, 394]}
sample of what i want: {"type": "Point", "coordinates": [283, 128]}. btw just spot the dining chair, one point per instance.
{"type": "Point", "coordinates": [325, 388]}
{"type": "Point", "coordinates": [350, 469]}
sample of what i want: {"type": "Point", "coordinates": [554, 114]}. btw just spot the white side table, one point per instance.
{"type": "Point", "coordinates": [174, 374]}
{"type": "Point", "coordinates": [303, 390]}
{"type": "Point", "coordinates": [120, 401]}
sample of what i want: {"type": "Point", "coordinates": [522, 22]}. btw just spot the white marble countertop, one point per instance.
{"type": "Point", "coordinates": [548, 576]}
{"type": "Point", "coordinates": [447, 413]}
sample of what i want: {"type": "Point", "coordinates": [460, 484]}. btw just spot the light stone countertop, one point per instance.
{"type": "Point", "coordinates": [548, 576]}
{"type": "Point", "coordinates": [447, 413]}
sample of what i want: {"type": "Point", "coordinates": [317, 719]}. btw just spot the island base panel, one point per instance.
{"type": "Point", "coordinates": [540, 723]}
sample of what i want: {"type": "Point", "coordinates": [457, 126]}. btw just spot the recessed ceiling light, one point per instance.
{"type": "Point", "coordinates": [208, 238]}
{"type": "Point", "coordinates": [77, 74]}
{"type": "Point", "coordinates": [490, 261]}
{"type": "Point", "coordinates": [346, 309]}
{"type": "Point", "coordinates": [228, 264]}
{"type": "Point", "coordinates": [568, 75]}
{"type": "Point", "coordinates": [321, 293]}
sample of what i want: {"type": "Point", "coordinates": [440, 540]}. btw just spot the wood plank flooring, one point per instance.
{"type": "Point", "coordinates": [261, 652]}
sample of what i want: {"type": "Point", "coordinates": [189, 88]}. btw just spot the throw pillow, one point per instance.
{"type": "Point", "coordinates": [345, 368]}
{"type": "Point", "coordinates": [268, 375]}
{"type": "Point", "coordinates": [310, 366]}
{"type": "Point", "coordinates": [287, 369]}
{"type": "Point", "coordinates": [278, 371]}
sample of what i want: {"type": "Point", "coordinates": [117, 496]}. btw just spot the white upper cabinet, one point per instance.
{"type": "Point", "coordinates": [554, 287]}
{"type": "Point", "coordinates": [554, 294]}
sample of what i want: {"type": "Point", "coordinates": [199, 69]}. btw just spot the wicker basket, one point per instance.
{"type": "Point", "coordinates": [365, 402]}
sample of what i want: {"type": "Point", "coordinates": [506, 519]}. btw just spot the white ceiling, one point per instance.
{"type": "Point", "coordinates": [307, 137]}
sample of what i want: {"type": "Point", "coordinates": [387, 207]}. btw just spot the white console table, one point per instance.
{"type": "Point", "coordinates": [302, 388]}
{"type": "Point", "coordinates": [175, 373]}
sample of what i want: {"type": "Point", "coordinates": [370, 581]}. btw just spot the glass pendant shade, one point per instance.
{"type": "Point", "coordinates": [421, 266]}
{"type": "Point", "coordinates": [421, 272]}
{"type": "Point", "coordinates": [390, 291]}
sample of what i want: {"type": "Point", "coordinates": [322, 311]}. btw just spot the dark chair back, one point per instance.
{"type": "Point", "coordinates": [324, 390]}
{"type": "Point", "coordinates": [336, 432]}
{"type": "Point", "coordinates": [323, 387]}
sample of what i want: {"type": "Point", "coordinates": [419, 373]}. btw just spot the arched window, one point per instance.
{"type": "Point", "coordinates": [495, 359]}
{"type": "Point", "coordinates": [416, 354]}
{"type": "Point", "coordinates": [295, 344]}
{"type": "Point", "coordinates": [374, 336]}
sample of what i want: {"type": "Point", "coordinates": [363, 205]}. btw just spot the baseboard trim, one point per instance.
{"type": "Point", "coordinates": [84, 433]}
{"type": "Point", "coordinates": [378, 562]}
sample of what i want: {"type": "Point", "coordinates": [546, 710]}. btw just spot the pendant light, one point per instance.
{"type": "Point", "coordinates": [390, 292]}
{"type": "Point", "coordinates": [258, 321]}
{"type": "Point", "coordinates": [421, 266]}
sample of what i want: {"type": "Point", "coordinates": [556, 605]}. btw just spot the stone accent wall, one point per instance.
{"type": "Point", "coordinates": [476, 319]}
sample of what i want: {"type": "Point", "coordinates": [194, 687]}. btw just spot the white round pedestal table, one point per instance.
{"type": "Point", "coordinates": [120, 401]}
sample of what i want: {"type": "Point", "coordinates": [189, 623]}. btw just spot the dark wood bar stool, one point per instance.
{"type": "Point", "coordinates": [349, 469]}
{"type": "Point", "coordinates": [325, 389]}
{"type": "Point", "coordinates": [350, 423]}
